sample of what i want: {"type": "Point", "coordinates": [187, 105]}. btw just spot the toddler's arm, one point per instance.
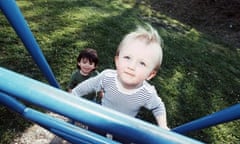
{"type": "Point", "coordinates": [88, 86]}
{"type": "Point", "coordinates": [162, 121]}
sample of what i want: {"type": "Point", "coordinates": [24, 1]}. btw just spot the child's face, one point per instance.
{"type": "Point", "coordinates": [85, 66]}
{"type": "Point", "coordinates": [136, 63]}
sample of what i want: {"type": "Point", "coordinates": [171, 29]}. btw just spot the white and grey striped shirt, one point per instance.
{"type": "Point", "coordinates": [126, 102]}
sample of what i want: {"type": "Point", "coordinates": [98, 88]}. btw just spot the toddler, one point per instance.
{"type": "Point", "coordinates": [138, 58]}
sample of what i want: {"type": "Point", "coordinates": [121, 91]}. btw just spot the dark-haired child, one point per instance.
{"type": "Point", "coordinates": [87, 62]}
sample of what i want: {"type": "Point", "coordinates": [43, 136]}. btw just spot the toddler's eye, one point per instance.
{"type": "Point", "coordinates": [126, 57]}
{"type": "Point", "coordinates": [142, 64]}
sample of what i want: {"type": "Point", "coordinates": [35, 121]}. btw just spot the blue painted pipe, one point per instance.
{"type": "Point", "coordinates": [16, 19]}
{"type": "Point", "coordinates": [86, 112]}
{"type": "Point", "coordinates": [11, 103]}
{"type": "Point", "coordinates": [226, 115]}
{"type": "Point", "coordinates": [69, 132]}
{"type": "Point", "coordinates": [65, 130]}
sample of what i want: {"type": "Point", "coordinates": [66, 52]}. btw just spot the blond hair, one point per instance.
{"type": "Point", "coordinates": [147, 35]}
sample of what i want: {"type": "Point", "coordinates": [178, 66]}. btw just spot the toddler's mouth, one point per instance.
{"type": "Point", "coordinates": [130, 74]}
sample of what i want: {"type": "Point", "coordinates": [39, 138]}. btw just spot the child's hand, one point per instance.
{"type": "Point", "coordinates": [100, 93]}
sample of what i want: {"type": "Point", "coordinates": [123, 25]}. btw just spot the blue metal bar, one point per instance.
{"type": "Point", "coordinates": [67, 131]}
{"type": "Point", "coordinates": [16, 19]}
{"type": "Point", "coordinates": [226, 115]}
{"type": "Point", "coordinates": [11, 103]}
{"type": "Point", "coordinates": [94, 115]}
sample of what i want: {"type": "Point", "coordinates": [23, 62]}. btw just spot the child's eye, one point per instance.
{"type": "Point", "coordinates": [126, 57]}
{"type": "Point", "coordinates": [142, 64]}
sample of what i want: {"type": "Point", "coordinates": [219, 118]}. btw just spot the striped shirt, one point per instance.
{"type": "Point", "coordinates": [115, 98]}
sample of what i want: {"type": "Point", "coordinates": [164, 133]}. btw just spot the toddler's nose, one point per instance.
{"type": "Point", "coordinates": [132, 65]}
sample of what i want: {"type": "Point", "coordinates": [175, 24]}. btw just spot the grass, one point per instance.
{"type": "Point", "coordinates": [199, 76]}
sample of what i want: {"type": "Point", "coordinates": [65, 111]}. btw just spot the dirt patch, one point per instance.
{"type": "Point", "coordinates": [38, 135]}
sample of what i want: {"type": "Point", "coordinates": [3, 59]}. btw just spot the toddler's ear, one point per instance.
{"type": "Point", "coordinates": [152, 74]}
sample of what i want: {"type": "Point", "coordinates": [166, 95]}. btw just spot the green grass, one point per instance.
{"type": "Point", "coordinates": [199, 76]}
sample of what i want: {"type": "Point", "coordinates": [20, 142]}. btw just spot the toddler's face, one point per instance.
{"type": "Point", "coordinates": [86, 66]}
{"type": "Point", "coordinates": [136, 63]}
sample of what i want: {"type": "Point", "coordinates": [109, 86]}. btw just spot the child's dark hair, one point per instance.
{"type": "Point", "coordinates": [89, 54]}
